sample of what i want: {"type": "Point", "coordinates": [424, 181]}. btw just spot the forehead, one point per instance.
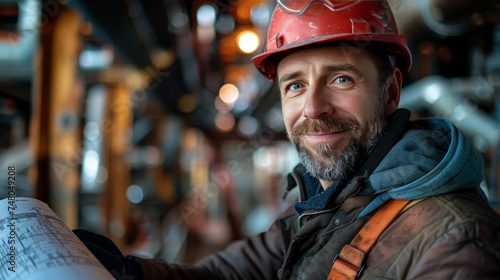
{"type": "Point", "coordinates": [358, 57]}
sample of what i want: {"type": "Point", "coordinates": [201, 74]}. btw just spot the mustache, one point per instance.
{"type": "Point", "coordinates": [327, 125]}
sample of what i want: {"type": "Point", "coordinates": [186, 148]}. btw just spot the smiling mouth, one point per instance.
{"type": "Point", "coordinates": [323, 137]}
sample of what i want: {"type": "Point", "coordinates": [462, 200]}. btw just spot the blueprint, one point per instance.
{"type": "Point", "coordinates": [36, 244]}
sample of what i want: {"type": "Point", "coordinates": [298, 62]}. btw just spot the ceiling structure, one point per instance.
{"type": "Point", "coordinates": [189, 50]}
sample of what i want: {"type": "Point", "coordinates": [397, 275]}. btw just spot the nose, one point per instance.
{"type": "Point", "coordinates": [317, 104]}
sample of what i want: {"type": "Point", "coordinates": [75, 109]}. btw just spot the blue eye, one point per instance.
{"type": "Point", "coordinates": [295, 86]}
{"type": "Point", "coordinates": [343, 80]}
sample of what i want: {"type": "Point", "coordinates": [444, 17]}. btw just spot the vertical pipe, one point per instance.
{"type": "Point", "coordinates": [55, 134]}
{"type": "Point", "coordinates": [116, 132]}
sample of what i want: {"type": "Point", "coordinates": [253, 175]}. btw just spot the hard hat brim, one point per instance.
{"type": "Point", "coordinates": [394, 45]}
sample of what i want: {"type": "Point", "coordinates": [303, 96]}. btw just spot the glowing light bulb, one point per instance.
{"type": "Point", "coordinates": [248, 41]}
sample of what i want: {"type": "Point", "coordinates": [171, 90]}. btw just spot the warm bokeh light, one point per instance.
{"type": "Point", "coordinates": [187, 103]}
{"type": "Point", "coordinates": [190, 139]}
{"type": "Point", "coordinates": [229, 93]}
{"type": "Point", "coordinates": [248, 41]}
{"type": "Point", "coordinates": [222, 106]}
{"type": "Point", "coordinates": [224, 122]}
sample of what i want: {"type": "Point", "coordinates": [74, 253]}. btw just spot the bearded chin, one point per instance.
{"type": "Point", "coordinates": [331, 164]}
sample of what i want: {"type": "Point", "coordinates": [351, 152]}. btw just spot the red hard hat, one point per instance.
{"type": "Point", "coordinates": [358, 21]}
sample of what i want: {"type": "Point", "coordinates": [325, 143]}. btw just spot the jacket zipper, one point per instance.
{"type": "Point", "coordinates": [317, 212]}
{"type": "Point", "coordinates": [301, 187]}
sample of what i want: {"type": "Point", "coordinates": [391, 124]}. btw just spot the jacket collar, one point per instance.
{"type": "Point", "coordinates": [311, 197]}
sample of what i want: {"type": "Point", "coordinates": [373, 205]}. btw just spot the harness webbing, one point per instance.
{"type": "Point", "coordinates": [348, 264]}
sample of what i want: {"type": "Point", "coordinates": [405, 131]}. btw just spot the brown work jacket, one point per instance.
{"type": "Point", "coordinates": [450, 236]}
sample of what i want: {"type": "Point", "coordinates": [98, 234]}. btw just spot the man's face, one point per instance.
{"type": "Point", "coordinates": [333, 107]}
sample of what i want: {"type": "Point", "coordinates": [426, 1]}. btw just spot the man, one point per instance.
{"type": "Point", "coordinates": [339, 67]}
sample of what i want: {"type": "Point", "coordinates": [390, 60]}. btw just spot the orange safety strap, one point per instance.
{"type": "Point", "coordinates": [348, 264]}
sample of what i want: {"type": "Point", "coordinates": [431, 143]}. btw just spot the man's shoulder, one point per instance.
{"type": "Point", "coordinates": [456, 207]}
{"type": "Point", "coordinates": [461, 214]}
{"type": "Point", "coordinates": [421, 226]}
{"type": "Point", "coordinates": [436, 226]}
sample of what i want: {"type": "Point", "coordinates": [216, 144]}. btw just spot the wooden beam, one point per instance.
{"type": "Point", "coordinates": [116, 146]}
{"type": "Point", "coordinates": [55, 128]}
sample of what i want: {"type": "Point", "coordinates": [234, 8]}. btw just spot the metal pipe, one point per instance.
{"type": "Point", "coordinates": [16, 59]}
{"type": "Point", "coordinates": [444, 18]}
{"type": "Point", "coordinates": [435, 94]}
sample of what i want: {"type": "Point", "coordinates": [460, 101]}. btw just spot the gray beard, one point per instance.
{"type": "Point", "coordinates": [333, 166]}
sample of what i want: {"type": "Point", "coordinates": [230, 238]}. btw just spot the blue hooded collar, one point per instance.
{"type": "Point", "coordinates": [434, 158]}
{"type": "Point", "coordinates": [412, 160]}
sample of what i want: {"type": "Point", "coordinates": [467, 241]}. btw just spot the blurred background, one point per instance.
{"type": "Point", "coordinates": [144, 120]}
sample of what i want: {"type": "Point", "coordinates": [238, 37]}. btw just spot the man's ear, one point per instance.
{"type": "Point", "coordinates": [393, 91]}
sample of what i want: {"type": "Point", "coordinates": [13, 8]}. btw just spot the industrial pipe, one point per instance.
{"type": "Point", "coordinates": [16, 58]}
{"type": "Point", "coordinates": [436, 94]}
